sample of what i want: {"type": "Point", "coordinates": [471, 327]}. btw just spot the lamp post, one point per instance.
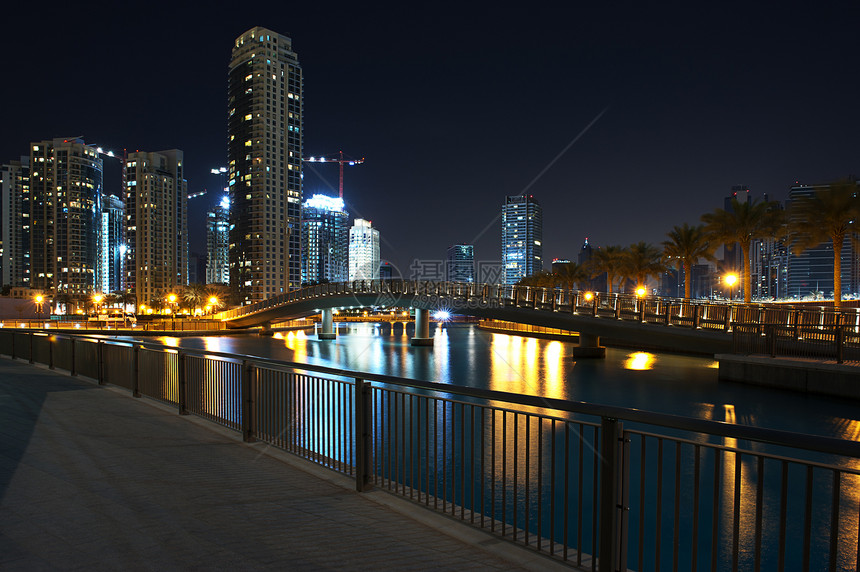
{"type": "Point", "coordinates": [171, 299]}
{"type": "Point", "coordinates": [213, 302]}
{"type": "Point", "coordinates": [97, 300]}
{"type": "Point", "coordinates": [731, 280]}
{"type": "Point", "coordinates": [38, 300]}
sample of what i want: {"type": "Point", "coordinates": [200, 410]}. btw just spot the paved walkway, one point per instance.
{"type": "Point", "coordinates": [91, 478]}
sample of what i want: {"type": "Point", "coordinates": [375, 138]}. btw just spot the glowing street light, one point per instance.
{"type": "Point", "coordinates": [38, 299]}
{"type": "Point", "coordinates": [97, 300]}
{"type": "Point", "coordinates": [640, 291]}
{"type": "Point", "coordinates": [731, 280]}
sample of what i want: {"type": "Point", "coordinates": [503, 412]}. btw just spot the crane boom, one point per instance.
{"type": "Point", "coordinates": [340, 159]}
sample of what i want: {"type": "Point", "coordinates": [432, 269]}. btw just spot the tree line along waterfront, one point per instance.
{"type": "Point", "coordinates": [825, 216]}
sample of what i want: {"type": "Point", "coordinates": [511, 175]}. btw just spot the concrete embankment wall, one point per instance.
{"type": "Point", "coordinates": [809, 376]}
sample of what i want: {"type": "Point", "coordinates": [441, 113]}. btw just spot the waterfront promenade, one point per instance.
{"type": "Point", "coordinates": [91, 478]}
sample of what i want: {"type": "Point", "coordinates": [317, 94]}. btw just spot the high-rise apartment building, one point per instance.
{"type": "Point", "coordinates": [522, 237]}
{"type": "Point", "coordinates": [15, 223]}
{"type": "Point", "coordinates": [461, 263]}
{"type": "Point", "coordinates": [811, 271]}
{"type": "Point", "coordinates": [264, 152]}
{"type": "Point", "coordinates": [218, 243]}
{"type": "Point", "coordinates": [363, 251]}
{"type": "Point", "coordinates": [325, 240]}
{"type": "Point", "coordinates": [112, 246]}
{"type": "Point", "coordinates": [65, 190]}
{"type": "Point", "coordinates": [156, 225]}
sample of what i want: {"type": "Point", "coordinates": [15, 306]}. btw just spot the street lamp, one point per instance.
{"type": "Point", "coordinates": [38, 299]}
{"type": "Point", "coordinates": [97, 299]}
{"type": "Point", "coordinates": [213, 302]}
{"type": "Point", "coordinates": [171, 299]}
{"type": "Point", "coordinates": [731, 280]}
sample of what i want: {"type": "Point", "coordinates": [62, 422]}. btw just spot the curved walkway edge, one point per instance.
{"type": "Point", "coordinates": [91, 478]}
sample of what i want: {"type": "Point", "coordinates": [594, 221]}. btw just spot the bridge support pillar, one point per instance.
{"type": "Point", "coordinates": [327, 327]}
{"type": "Point", "coordinates": [589, 347]}
{"type": "Point", "coordinates": [422, 328]}
{"type": "Point", "coordinates": [266, 329]}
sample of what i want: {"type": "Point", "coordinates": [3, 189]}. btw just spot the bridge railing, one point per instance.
{"type": "Point", "coordinates": [712, 315]}
{"type": "Point", "coordinates": [799, 339]}
{"type": "Point", "coordinates": [601, 487]}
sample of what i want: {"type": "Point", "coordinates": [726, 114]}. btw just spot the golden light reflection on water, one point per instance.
{"type": "Point", "coordinates": [516, 364]}
{"type": "Point", "coordinates": [297, 341]}
{"type": "Point", "coordinates": [169, 341]}
{"type": "Point", "coordinates": [640, 361]}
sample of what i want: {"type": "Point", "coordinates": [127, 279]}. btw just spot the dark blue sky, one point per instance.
{"type": "Point", "coordinates": [455, 107]}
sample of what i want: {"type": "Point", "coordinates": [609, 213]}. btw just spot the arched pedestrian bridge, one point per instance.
{"type": "Point", "coordinates": [619, 319]}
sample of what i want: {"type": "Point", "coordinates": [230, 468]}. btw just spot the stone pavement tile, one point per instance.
{"type": "Point", "coordinates": [98, 480]}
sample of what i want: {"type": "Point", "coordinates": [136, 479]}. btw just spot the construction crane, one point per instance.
{"type": "Point", "coordinates": [340, 159]}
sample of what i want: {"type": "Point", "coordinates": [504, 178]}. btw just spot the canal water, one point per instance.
{"type": "Point", "coordinates": [677, 384]}
{"type": "Point", "coordinates": [464, 355]}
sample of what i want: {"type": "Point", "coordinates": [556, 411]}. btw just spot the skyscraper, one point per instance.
{"type": "Point", "coordinates": [15, 223]}
{"type": "Point", "coordinates": [157, 225]}
{"type": "Point", "coordinates": [264, 153]}
{"type": "Point", "coordinates": [112, 245]}
{"type": "Point", "coordinates": [363, 251]}
{"type": "Point", "coordinates": [325, 240]}
{"type": "Point", "coordinates": [65, 187]}
{"type": "Point", "coordinates": [522, 237]}
{"type": "Point", "coordinates": [461, 263]}
{"type": "Point", "coordinates": [218, 243]}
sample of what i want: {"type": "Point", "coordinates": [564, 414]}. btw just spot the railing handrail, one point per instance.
{"type": "Point", "coordinates": [816, 443]}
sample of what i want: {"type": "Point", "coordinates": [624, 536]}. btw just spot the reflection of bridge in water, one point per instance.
{"type": "Point", "coordinates": [647, 323]}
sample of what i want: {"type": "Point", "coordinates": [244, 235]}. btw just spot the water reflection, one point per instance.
{"type": "Point", "coordinates": [465, 355]}
{"type": "Point", "coordinates": [640, 361]}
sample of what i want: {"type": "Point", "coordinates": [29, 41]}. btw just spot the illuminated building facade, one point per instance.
{"type": "Point", "coordinates": [112, 246]}
{"type": "Point", "coordinates": [156, 225]}
{"type": "Point", "coordinates": [218, 243]}
{"type": "Point", "coordinates": [264, 152]}
{"type": "Point", "coordinates": [15, 223]}
{"type": "Point", "coordinates": [65, 188]}
{"type": "Point", "coordinates": [522, 237]}
{"type": "Point", "coordinates": [363, 251]}
{"type": "Point", "coordinates": [325, 240]}
{"type": "Point", "coordinates": [461, 263]}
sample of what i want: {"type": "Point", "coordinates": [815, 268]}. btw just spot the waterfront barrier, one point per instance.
{"type": "Point", "coordinates": [599, 487]}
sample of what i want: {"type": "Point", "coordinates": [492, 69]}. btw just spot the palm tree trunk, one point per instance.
{"type": "Point", "coordinates": [688, 279]}
{"type": "Point", "coordinates": [745, 252]}
{"type": "Point", "coordinates": [609, 278]}
{"type": "Point", "coordinates": [837, 272]}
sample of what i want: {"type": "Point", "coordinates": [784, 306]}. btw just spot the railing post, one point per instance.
{"type": "Point", "coordinates": [100, 362]}
{"type": "Point", "coordinates": [610, 480]}
{"type": "Point", "coordinates": [13, 344]}
{"type": "Point", "coordinates": [183, 387]}
{"type": "Point", "coordinates": [363, 423]}
{"type": "Point", "coordinates": [840, 335]}
{"type": "Point", "coordinates": [135, 374]}
{"type": "Point", "coordinates": [72, 351]}
{"type": "Point", "coordinates": [728, 323]}
{"type": "Point", "coordinates": [696, 316]}
{"type": "Point", "coordinates": [771, 340]}
{"type": "Point", "coordinates": [249, 427]}
{"type": "Point", "coordinates": [31, 347]}
{"type": "Point", "coordinates": [594, 303]}
{"type": "Point", "coordinates": [617, 307]}
{"type": "Point", "coordinates": [50, 352]}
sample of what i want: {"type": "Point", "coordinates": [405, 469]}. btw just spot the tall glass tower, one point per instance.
{"type": "Point", "coordinates": [363, 251]}
{"type": "Point", "coordinates": [218, 243]}
{"type": "Point", "coordinates": [264, 154]}
{"type": "Point", "coordinates": [522, 237]}
{"type": "Point", "coordinates": [65, 187]}
{"type": "Point", "coordinates": [461, 263]}
{"type": "Point", "coordinates": [325, 240]}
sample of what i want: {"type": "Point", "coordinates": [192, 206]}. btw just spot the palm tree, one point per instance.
{"type": "Point", "coordinates": [610, 260]}
{"type": "Point", "coordinates": [827, 215]}
{"type": "Point", "coordinates": [570, 275]}
{"type": "Point", "coordinates": [686, 245]}
{"type": "Point", "coordinates": [744, 222]}
{"type": "Point", "coordinates": [642, 260]}
{"type": "Point", "coordinates": [195, 295]}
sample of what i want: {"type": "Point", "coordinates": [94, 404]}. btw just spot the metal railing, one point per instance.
{"type": "Point", "coordinates": [704, 314]}
{"type": "Point", "coordinates": [837, 342]}
{"type": "Point", "coordinates": [598, 487]}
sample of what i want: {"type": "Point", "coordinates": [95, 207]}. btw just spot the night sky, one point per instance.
{"type": "Point", "coordinates": [622, 121]}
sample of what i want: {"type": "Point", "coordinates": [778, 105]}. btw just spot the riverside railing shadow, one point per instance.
{"type": "Point", "coordinates": [598, 487]}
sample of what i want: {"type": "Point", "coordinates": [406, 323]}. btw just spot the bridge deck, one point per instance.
{"type": "Point", "coordinates": [92, 478]}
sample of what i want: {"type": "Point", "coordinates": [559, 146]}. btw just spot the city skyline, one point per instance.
{"type": "Point", "coordinates": [677, 110]}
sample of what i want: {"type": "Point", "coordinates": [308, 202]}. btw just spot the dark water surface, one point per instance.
{"type": "Point", "coordinates": [464, 355]}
